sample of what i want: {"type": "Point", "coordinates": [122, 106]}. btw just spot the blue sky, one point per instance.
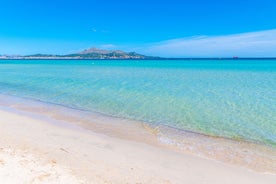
{"type": "Point", "coordinates": [171, 28]}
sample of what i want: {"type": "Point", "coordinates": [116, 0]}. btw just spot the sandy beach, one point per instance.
{"type": "Point", "coordinates": [37, 151]}
{"type": "Point", "coordinates": [142, 92]}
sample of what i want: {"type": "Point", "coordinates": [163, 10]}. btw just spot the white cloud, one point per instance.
{"type": "Point", "coordinates": [98, 30]}
{"type": "Point", "coordinates": [252, 44]}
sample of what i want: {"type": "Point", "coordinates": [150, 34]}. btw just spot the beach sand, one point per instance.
{"type": "Point", "coordinates": [35, 150]}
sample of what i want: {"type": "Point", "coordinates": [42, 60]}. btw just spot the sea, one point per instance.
{"type": "Point", "coordinates": [228, 99]}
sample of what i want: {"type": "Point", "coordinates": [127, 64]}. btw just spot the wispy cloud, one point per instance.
{"type": "Point", "coordinates": [99, 31]}
{"type": "Point", "coordinates": [252, 44]}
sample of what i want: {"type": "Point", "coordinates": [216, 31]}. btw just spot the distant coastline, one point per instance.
{"type": "Point", "coordinates": [150, 58]}
{"type": "Point", "coordinates": [88, 54]}
{"type": "Point", "coordinates": [99, 54]}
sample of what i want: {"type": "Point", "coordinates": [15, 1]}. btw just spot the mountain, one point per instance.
{"type": "Point", "coordinates": [100, 51]}
{"type": "Point", "coordinates": [91, 53]}
{"type": "Point", "coordinates": [95, 53]}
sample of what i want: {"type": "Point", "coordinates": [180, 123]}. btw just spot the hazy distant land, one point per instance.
{"type": "Point", "coordinates": [100, 54]}
{"type": "Point", "coordinates": [92, 53]}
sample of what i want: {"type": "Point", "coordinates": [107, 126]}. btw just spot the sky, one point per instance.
{"type": "Point", "coordinates": [168, 28]}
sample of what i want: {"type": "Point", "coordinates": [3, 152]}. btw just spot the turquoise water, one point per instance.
{"type": "Point", "coordinates": [232, 98]}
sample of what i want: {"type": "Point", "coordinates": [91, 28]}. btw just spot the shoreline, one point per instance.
{"type": "Point", "coordinates": [247, 155]}
{"type": "Point", "coordinates": [92, 157]}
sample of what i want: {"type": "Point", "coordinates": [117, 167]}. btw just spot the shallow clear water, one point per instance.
{"type": "Point", "coordinates": [233, 99]}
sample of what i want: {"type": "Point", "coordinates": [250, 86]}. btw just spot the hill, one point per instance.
{"type": "Point", "coordinates": [91, 53]}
